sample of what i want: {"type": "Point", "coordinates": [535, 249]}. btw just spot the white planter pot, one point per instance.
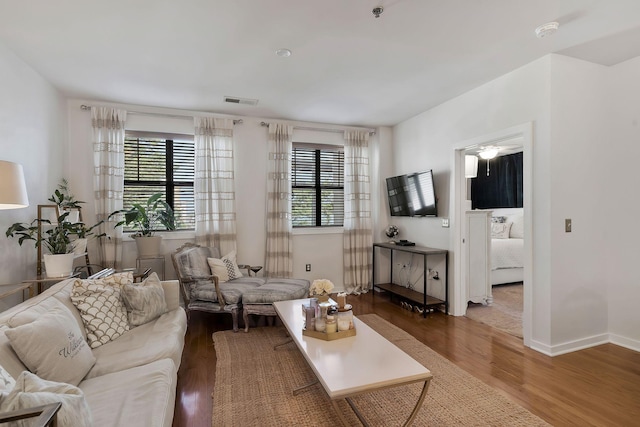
{"type": "Point", "coordinates": [148, 246]}
{"type": "Point", "coordinates": [59, 265]}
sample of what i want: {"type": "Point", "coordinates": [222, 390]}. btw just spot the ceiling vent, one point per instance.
{"type": "Point", "coordinates": [236, 100]}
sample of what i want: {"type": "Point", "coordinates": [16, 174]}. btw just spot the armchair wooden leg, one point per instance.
{"type": "Point", "coordinates": [245, 317]}
{"type": "Point", "coordinates": [234, 315]}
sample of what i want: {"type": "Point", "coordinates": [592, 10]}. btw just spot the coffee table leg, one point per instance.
{"type": "Point", "coordinates": [343, 420]}
{"type": "Point", "coordinates": [304, 387]}
{"type": "Point", "coordinates": [425, 388]}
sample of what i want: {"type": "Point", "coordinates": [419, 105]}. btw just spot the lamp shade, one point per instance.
{"type": "Point", "coordinates": [470, 166]}
{"type": "Point", "coordinates": [13, 190]}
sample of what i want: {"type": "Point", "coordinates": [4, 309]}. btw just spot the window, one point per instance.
{"type": "Point", "coordinates": [317, 186]}
{"type": "Point", "coordinates": [161, 164]}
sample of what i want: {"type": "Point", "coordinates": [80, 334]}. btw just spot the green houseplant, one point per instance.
{"type": "Point", "coordinates": [59, 237]}
{"type": "Point", "coordinates": [145, 219]}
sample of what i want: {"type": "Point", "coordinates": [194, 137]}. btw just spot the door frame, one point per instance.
{"type": "Point", "coordinates": [525, 133]}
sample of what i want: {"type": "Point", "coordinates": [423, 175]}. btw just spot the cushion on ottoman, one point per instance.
{"type": "Point", "coordinates": [277, 290]}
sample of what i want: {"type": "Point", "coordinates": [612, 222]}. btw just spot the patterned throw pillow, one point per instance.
{"type": "Point", "coordinates": [31, 391]}
{"type": "Point", "coordinates": [498, 219]}
{"type": "Point", "coordinates": [225, 268]}
{"type": "Point", "coordinates": [53, 347]}
{"type": "Point", "coordinates": [500, 230]}
{"type": "Point", "coordinates": [144, 301]}
{"type": "Point", "coordinates": [102, 309]}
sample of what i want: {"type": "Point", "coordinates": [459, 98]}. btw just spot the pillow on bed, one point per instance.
{"type": "Point", "coordinates": [498, 219]}
{"type": "Point", "coordinates": [500, 230]}
{"type": "Point", "coordinates": [517, 227]}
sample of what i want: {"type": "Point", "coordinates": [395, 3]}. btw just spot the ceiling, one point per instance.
{"type": "Point", "coordinates": [347, 66]}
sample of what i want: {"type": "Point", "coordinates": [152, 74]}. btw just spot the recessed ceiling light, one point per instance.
{"type": "Point", "coordinates": [284, 53]}
{"type": "Point", "coordinates": [547, 29]}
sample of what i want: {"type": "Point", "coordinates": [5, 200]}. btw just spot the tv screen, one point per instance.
{"type": "Point", "coordinates": [412, 195]}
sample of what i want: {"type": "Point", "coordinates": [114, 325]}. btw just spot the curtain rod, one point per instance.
{"type": "Point", "coordinates": [371, 131]}
{"type": "Point", "coordinates": [175, 116]}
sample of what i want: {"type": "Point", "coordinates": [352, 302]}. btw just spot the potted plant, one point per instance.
{"type": "Point", "coordinates": [66, 202]}
{"type": "Point", "coordinates": [146, 220]}
{"type": "Point", "coordinates": [57, 238]}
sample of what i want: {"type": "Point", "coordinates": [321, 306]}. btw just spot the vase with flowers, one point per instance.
{"type": "Point", "coordinates": [320, 289]}
{"type": "Point", "coordinates": [391, 231]}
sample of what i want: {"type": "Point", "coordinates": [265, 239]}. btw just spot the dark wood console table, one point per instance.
{"type": "Point", "coordinates": [417, 297]}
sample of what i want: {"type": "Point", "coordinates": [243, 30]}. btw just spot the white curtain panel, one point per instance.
{"type": "Point", "coordinates": [214, 184]}
{"type": "Point", "coordinates": [108, 178]}
{"type": "Point", "coordinates": [358, 238]}
{"type": "Point", "coordinates": [279, 252]}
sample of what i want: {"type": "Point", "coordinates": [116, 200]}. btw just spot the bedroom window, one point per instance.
{"type": "Point", "coordinates": [161, 163]}
{"type": "Point", "coordinates": [317, 186]}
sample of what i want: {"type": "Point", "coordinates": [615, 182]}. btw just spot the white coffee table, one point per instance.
{"type": "Point", "coordinates": [350, 366]}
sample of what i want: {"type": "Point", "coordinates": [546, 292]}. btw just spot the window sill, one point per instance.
{"type": "Point", "coordinates": [167, 235]}
{"type": "Point", "coordinates": [317, 230]}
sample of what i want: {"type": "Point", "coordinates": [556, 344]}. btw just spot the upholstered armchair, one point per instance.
{"type": "Point", "coordinates": [200, 289]}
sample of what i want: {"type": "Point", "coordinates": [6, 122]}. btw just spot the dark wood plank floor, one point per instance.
{"type": "Point", "coordinates": [599, 386]}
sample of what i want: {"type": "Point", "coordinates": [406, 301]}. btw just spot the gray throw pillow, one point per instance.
{"type": "Point", "coordinates": [144, 301]}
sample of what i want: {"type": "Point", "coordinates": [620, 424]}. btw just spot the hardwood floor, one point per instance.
{"type": "Point", "coordinates": [599, 386]}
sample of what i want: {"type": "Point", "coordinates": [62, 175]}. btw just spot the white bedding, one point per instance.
{"type": "Point", "coordinates": [507, 253]}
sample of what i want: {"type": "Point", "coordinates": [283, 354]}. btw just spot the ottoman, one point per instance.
{"type": "Point", "coordinates": [259, 300]}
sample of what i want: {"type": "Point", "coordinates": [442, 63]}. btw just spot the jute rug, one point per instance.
{"type": "Point", "coordinates": [254, 383]}
{"type": "Point", "coordinates": [506, 311]}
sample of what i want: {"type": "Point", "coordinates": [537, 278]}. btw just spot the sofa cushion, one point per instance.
{"type": "Point", "coordinates": [159, 339]}
{"type": "Point", "coordinates": [140, 396]}
{"type": "Point", "coordinates": [277, 290]}
{"type": "Point", "coordinates": [31, 391]}
{"type": "Point", "coordinates": [52, 346]}
{"type": "Point", "coordinates": [102, 310]}
{"type": "Point", "coordinates": [231, 291]}
{"type": "Point", "coordinates": [193, 261]}
{"type": "Point", "coordinates": [144, 301]}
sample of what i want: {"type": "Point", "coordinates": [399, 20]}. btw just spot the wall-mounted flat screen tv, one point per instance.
{"type": "Point", "coordinates": [412, 195]}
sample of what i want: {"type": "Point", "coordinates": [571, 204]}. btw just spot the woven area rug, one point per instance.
{"type": "Point", "coordinates": [254, 383]}
{"type": "Point", "coordinates": [506, 311]}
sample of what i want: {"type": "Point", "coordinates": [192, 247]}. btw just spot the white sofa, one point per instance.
{"type": "Point", "coordinates": [133, 381]}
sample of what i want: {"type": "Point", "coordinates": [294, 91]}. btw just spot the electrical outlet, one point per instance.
{"type": "Point", "coordinates": [567, 225]}
{"type": "Point", "coordinates": [308, 267]}
{"type": "Point", "coordinates": [445, 222]}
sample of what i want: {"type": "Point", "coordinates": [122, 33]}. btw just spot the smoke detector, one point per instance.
{"type": "Point", "coordinates": [546, 29]}
{"type": "Point", "coordinates": [236, 100]}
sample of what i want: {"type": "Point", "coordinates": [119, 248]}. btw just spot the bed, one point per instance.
{"type": "Point", "coordinates": [507, 245]}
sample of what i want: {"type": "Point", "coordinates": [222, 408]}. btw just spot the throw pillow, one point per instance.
{"type": "Point", "coordinates": [53, 347]}
{"type": "Point", "coordinates": [500, 230]}
{"type": "Point", "coordinates": [225, 268]}
{"type": "Point", "coordinates": [31, 391]}
{"type": "Point", "coordinates": [498, 219]}
{"type": "Point", "coordinates": [102, 310]}
{"type": "Point", "coordinates": [144, 301]}
{"type": "Point", "coordinates": [218, 268]}
{"type": "Point", "coordinates": [6, 380]}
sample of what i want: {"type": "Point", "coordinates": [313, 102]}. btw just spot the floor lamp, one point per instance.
{"type": "Point", "coordinates": [13, 190]}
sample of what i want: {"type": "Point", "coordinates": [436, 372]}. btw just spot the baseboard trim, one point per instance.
{"type": "Point", "coordinates": [625, 342]}
{"type": "Point", "coordinates": [581, 344]}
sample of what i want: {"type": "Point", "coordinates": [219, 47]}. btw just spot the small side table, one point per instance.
{"type": "Point", "coordinates": [142, 260]}
{"type": "Point", "coordinates": [42, 280]}
{"type": "Point", "coordinates": [7, 290]}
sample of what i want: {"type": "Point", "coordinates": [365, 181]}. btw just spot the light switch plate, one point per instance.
{"type": "Point", "coordinates": [567, 225]}
{"type": "Point", "coordinates": [445, 222]}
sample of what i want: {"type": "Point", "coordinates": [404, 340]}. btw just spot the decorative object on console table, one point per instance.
{"type": "Point", "coordinates": [391, 231]}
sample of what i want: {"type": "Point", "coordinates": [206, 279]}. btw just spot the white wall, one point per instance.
{"type": "Point", "coordinates": [620, 154]}
{"type": "Point", "coordinates": [33, 129]}
{"type": "Point", "coordinates": [427, 141]}
{"type": "Point", "coordinates": [323, 251]}
{"type": "Point", "coordinates": [578, 135]}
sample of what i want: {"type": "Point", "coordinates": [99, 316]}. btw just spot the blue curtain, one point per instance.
{"type": "Point", "coordinates": [501, 187]}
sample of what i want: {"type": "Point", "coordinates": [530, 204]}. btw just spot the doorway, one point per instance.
{"type": "Point", "coordinates": [522, 134]}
